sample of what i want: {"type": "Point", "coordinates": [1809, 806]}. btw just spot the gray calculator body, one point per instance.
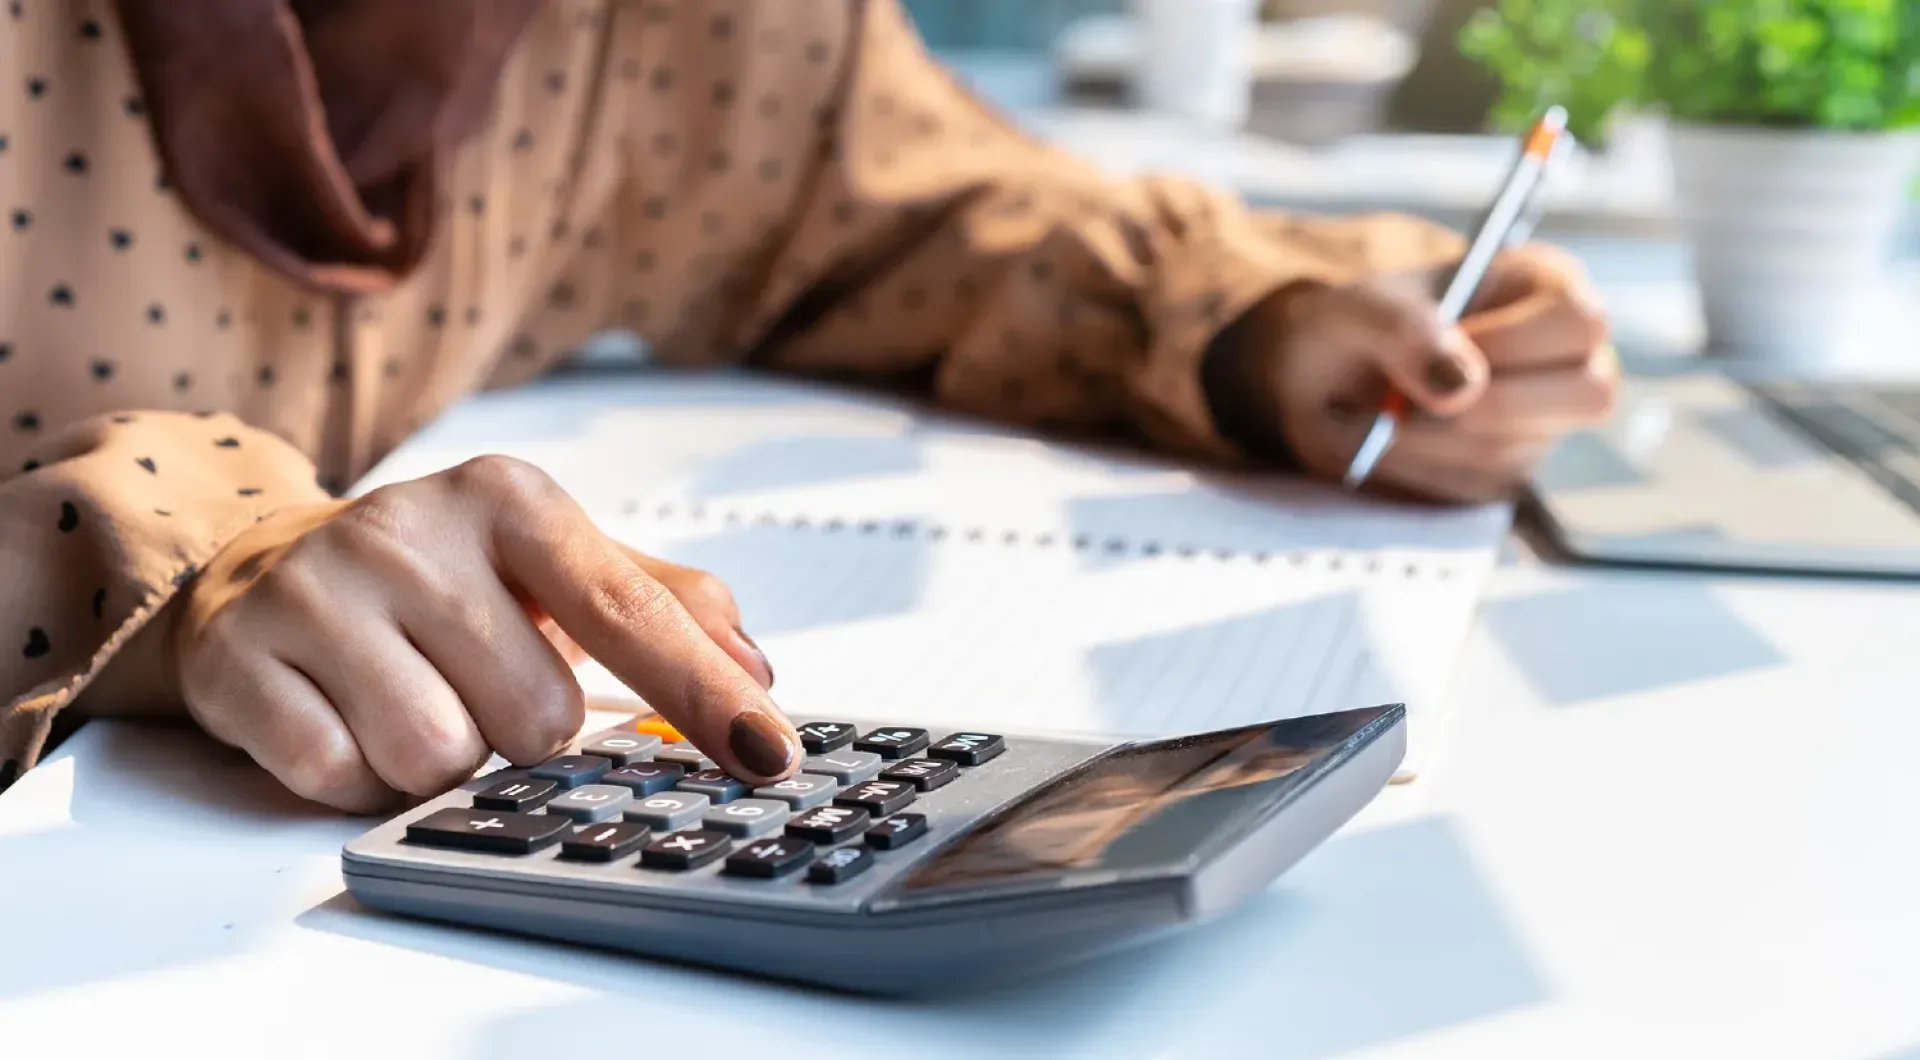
{"type": "Point", "coordinates": [1055, 850]}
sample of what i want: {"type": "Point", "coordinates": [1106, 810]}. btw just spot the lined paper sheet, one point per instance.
{"type": "Point", "coordinates": [908, 567]}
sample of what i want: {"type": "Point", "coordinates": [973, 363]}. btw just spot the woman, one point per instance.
{"type": "Point", "coordinates": [255, 243]}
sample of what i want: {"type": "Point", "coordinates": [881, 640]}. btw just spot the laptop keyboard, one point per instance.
{"type": "Point", "coordinates": [1875, 428]}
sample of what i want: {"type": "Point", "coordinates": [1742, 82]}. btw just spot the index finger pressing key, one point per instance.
{"type": "Point", "coordinates": [635, 627]}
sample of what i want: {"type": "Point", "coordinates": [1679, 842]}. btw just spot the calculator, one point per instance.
{"type": "Point", "coordinates": [899, 860]}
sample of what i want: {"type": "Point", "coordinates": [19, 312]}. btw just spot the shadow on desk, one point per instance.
{"type": "Point", "coordinates": [1377, 936]}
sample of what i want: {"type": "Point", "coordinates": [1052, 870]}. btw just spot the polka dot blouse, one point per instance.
{"type": "Point", "coordinates": [790, 184]}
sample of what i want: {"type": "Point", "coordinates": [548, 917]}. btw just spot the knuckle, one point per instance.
{"type": "Point", "coordinates": [625, 596]}
{"type": "Point", "coordinates": [502, 480]}
{"type": "Point", "coordinates": [546, 713]}
{"type": "Point", "coordinates": [327, 770]}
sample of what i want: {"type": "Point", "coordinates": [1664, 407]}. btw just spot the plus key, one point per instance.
{"type": "Point", "coordinates": [493, 831]}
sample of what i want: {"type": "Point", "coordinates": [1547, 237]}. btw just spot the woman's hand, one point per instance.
{"type": "Point", "coordinates": [1528, 363]}
{"type": "Point", "coordinates": [386, 645]}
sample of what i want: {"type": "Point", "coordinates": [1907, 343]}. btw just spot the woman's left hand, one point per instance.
{"type": "Point", "coordinates": [1530, 362]}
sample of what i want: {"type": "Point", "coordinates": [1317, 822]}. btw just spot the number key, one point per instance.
{"type": "Point", "coordinates": [645, 778]}
{"type": "Point", "coordinates": [802, 791]}
{"type": "Point", "coordinates": [878, 797]}
{"type": "Point", "coordinates": [747, 817]}
{"type": "Point", "coordinates": [622, 748]}
{"type": "Point", "coordinates": [592, 803]}
{"type": "Point", "coordinates": [716, 784]}
{"type": "Point", "coordinates": [925, 774]}
{"type": "Point", "coordinates": [847, 767]}
{"type": "Point", "coordinates": [893, 741]}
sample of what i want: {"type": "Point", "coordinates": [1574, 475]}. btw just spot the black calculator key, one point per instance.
{"type": "Point", "coordinates": [622, 748]}
{"type": "Point", "coordinates": [925, 774]}
{"type": "Point", "coordinates": [571, 771]}
{"type": "Point", "coordinates": [685, 850]}
{"type": "Point", "coordinates": [878, 797]}
{"type": "Point", "coordinates": [968, 748]}
{"type": "Point", "coordinates": [893, 741]}
{"type": "Point", "coordinates": [716, 784]}
{"type": "Point", "coordinates": [839, 866]}
{"type": "Point", "coordinates": [514, 794]}
{"type": "Point", "coordinates": [494, 831]}
{"type": "Point", "coordinates": [829, 824]}
{"type": "Point", "coordinates": [604, 842]}
{"type": "Point", "coordinates": [767, 858]}
{"type": "Point", "coordinates": [819, 737]}
{"type": "Point", "coordinates": [645, 778]}
{"type": "Point", "coordinates": [896, 832]}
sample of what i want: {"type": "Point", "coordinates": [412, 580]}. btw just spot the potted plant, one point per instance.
{"type": "Point", "coordinates": [1792, 133]}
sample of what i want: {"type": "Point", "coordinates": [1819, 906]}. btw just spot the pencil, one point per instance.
{"type": "Point", "coordinates": [1506, 222]}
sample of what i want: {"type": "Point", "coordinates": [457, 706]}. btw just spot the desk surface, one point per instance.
{"type": "Point", "coordinates": [1675, 818]}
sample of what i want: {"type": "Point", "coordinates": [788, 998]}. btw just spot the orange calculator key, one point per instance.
{"type": "Point", "coordinates": [657, 726]}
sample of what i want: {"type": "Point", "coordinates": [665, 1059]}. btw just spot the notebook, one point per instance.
{"type": "Point", "coordinates": [904, 565]}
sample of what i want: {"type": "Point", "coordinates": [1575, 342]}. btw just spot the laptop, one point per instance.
{"type": "Point", "coordinates": [1700, 469]}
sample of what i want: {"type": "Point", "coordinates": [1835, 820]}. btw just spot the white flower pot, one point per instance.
{"type": "Point", "coordinates": [1792, 232]}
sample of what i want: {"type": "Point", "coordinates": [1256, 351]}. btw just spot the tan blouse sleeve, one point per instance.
{"type": "Point", "coordinates": [99, 528]}
{"type": "Point", "coordinates": [807, 189]}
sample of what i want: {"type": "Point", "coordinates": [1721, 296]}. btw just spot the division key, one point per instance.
{"type": "Point", "coordinates": [494, 831]}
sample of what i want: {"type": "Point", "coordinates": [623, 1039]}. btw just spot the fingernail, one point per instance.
{"type": "Point", "coordinates": [761, 744]}
{"type": "Point", "coordinates": [765, 663]}
{"type": "Point", "coordinates": [1445, 374]}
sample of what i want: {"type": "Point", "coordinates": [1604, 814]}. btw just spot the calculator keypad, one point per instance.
{"type": "Point", "coordinates": [639, 787]}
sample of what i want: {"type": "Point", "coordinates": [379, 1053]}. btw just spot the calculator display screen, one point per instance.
{"type": "Point", "coordinates": [1140, 807]}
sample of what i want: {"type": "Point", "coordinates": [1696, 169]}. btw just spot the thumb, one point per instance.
{"type": "Point", "coordinates": [1399, 333]}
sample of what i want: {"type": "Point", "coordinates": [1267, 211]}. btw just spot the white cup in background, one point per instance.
{"type": "Point", "coordinates": [1197, 59]}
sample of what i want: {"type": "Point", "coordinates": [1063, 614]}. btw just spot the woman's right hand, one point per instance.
{"type": "Point", "coordinates": [383, 645]}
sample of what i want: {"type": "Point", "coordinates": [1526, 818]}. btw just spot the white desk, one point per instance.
{"type": "Point", "coordinates": [1676, 818]}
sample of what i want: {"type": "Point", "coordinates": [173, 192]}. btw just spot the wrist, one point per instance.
{"type": "Point", "coordinates": [1240, 373]}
